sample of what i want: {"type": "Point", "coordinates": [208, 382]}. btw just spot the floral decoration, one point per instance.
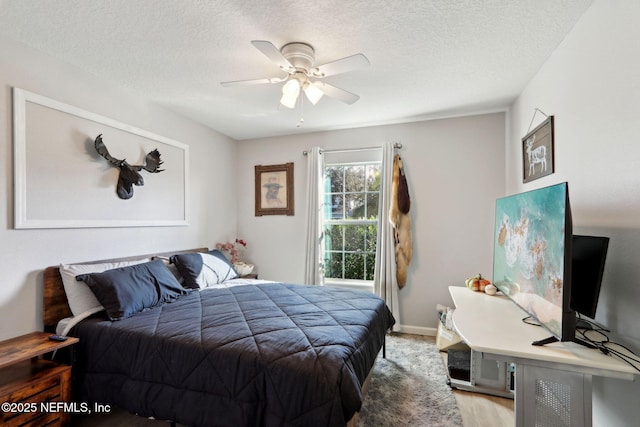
{"type": "Point", "coordinates": [233, 249]}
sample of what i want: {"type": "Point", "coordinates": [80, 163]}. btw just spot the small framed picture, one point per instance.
{"type": "Point", "coordinates": [537, 151]}
{"type": "Point", "coordinates": [274, 190]}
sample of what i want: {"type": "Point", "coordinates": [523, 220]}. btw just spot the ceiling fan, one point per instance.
{"type": "Point", "coordinates": [297, 60]}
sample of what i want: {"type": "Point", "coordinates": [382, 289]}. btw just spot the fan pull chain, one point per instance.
{"type": "Point", "coordinates": [301, 121]}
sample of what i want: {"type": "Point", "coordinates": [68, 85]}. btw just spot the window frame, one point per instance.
{"type": "Point", "coordinates": [343, 221]}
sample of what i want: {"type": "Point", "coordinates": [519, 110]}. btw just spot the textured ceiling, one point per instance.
{"type": "Point", "coordinates": [429, 58]}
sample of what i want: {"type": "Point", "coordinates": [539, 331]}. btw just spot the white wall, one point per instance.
{"type": "Point", "coordinates": [25, 253]}
{"type": "Point", "coordinates": [591, 84]}
{"type": "Point", "coordinates": [455, 169]}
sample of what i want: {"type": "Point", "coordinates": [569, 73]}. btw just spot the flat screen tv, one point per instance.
{"type": "Point", "coordinates": [532, 257]}
{"type": "Point", "coordinates": [588, 255]}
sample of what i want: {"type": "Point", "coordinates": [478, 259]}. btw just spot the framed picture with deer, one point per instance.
{"type": "Point", "coordinates": [537, 151]}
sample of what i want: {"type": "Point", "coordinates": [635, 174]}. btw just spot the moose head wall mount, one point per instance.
{"type": "Point", "coordinates": [129, 174]}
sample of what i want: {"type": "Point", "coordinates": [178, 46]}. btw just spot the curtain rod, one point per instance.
{"type": "Point", "coordinates": [396, 145]}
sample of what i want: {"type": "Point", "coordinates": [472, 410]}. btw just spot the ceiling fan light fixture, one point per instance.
{"type": "Point", "coordinates": [313, 92]}
{"type": "Point", "coordinates": [290, 92]}
{"type": "Point", "coordinates": [297, 60]}
{"type": "Point", "coordinates": [288, 101]}
{"type": "Point", "coordinates": [291, 88]}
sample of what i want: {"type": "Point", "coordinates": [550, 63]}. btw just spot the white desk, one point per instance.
{"type": "Point", "coordinates": [553, 382]}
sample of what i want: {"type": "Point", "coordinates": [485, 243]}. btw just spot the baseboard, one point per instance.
{"type": "Point", "coordinates": [416, 330]}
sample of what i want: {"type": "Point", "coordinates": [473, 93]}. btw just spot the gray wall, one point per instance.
{"type": "Point", "coordinates": [591, 85]}
{"type": "Point", "coordinates": [26, 252]}
{"type": "Point", "coordinates": [455, 169]}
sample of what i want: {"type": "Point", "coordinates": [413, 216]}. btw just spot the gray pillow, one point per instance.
{"type": "Point", "coordinates": [81, 299]}
{"type": "Point", "coordinates": [126, 291]}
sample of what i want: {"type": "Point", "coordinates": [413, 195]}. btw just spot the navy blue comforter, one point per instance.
{"type": "Point", "coordinates": [253, 355]}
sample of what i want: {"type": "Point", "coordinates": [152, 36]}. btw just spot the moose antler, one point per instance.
{"type": "Point", "coordinates": [129, 175]}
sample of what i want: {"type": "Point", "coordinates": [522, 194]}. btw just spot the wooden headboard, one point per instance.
{"type": "Point", "coordinates": [55, 306]}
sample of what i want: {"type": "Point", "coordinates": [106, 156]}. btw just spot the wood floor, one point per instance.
{"type": "Point", "coordinates": [481, 410]}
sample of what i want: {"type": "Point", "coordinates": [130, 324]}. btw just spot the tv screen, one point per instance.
{"type": "Point", "coordinates": [588, 254]}
{"type": "Point", "coordinates": [532, 256]}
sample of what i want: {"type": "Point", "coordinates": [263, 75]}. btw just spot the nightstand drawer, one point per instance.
{"type": "Point", "coordinates": [27, 384]}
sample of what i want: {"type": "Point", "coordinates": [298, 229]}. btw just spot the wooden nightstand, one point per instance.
{"type": "Point", "coordinates": [26, 380]}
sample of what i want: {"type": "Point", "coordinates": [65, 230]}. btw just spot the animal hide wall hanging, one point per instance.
{"type": "Point", "coordinates": [129, 174]}
{"type": "Point", "coordinates": [400, 221]}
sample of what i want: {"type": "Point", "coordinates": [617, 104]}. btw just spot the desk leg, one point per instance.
{"type": "Point", "coordinates": [518, 396]}
{"type": "Point", "coordinates": [552, 397]}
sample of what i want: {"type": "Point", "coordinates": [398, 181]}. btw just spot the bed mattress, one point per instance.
{"type": "Point", "coordinates": [263, 355]}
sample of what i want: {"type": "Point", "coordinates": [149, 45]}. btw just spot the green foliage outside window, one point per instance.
{"type": "Point", "coordinates": [351, 220]}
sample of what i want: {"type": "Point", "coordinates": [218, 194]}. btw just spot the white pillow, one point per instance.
{"type": "Point", "coordinates": [79, 296]}
{"type": "Point", "coordinates": [201, 270]}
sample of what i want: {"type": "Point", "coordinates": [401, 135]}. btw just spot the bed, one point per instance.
{"type": "Point", "coordinates": [238, 352]}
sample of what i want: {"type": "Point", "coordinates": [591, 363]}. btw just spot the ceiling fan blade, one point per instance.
{"type": "Point", "coordinates": [274, 54]}
{"type": "Point", "coordinates": [253, 82]}
{"type": "Point", "coordinates": [337, 93]}
{"type": "Point", "coordinates": [350, 63]}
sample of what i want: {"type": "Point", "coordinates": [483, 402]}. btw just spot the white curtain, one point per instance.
{"type": "Point", "coordinates": [314, 271]}
{"type": "Point", "coordinates": [384, 278]}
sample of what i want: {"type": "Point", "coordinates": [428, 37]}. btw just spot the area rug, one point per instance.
{"type": "Point", "coordinates": [409, 387]}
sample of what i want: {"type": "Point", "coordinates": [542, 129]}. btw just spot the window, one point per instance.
{"type": "Point", "coordinates": [350, 220]}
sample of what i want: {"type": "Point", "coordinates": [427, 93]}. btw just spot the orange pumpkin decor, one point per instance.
{"type": "Point", "coordinates": [477, 283]}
